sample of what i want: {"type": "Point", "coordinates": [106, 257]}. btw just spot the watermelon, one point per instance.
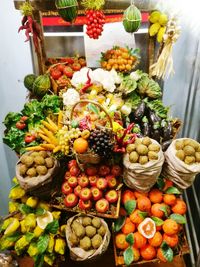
{"type": "Point", "coordinates": [41, 85]}
{"type": "Point", "coordinates": [132, 19]}
{"type": "Point", "coordinates": [67, 9]}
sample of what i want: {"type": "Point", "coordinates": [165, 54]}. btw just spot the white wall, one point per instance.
{"type": "Point", "coordinates": [15, 63]}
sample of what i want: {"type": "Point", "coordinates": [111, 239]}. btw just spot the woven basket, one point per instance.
{"type": "Point", "coordinates": [90, 156]}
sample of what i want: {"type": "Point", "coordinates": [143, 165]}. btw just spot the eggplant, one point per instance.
{"type": "Point", "coordinates": [167, 131]}
{"type": "Point", "coordinates": [153, 117]}
{"type": "Point", "coordinates": [166, 144]}
{"type": "Point", "coordinates": [139, 112]}
{"type": "Point", "coordinates": [146, 129]}
{"type": "Point", "coordinates": [155, 134]}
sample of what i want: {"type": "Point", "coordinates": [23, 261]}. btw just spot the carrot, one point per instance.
{"type": "Point", "coordinates": [45, 138]}
{"type": "Point", "coordinates": [48, 146]}
{"type": "Point", "coordinates": [50, 136]}
{"type": "Point", "coordinates": [52, 128]}
{"type": "Point", "coordinates": [35, 148]}
{"type": "Point", "coordinates": [56, 149]}
{"type": "Point", "coordinates": [60, 119]}
{"type": "Point", "coordinates": [52, 123]}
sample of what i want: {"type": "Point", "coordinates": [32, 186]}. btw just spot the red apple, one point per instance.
{"type": "Point", "coordinates": [102, 205]}
{"type": "Point", "coordinates": [104, 170]}
{"type": "Point", "coordinates": [77, 190]}
{"type": "Point", "coordinates": [72, 163]}
{"type": "Point", "coordinates": [72, 181]}
{"type": "Point", "coordinates": [111, 196]}
{"type": "Point", "coordinates": [101, 183]}
{"type": "Point", "coordinates": [66, 189]}
{"type": "Point", "coordinates": [67, 175]}
{"type": "Point", "coordinates": [71, 200]}
{"type": "Point", "coordinates": [93, 180]}
{"type": "Point", "coordinates": [74, 171]}
{"type": "Point", "coordinates": [83, 181]}
{"type": "Point", "coordinates": [112, 181]}
{"type": "Point", "coordinates": [91, 171]}
{"type": "Point", "coordinates": [116, 170]}
{"type": "Point", "coordinates": [96, 193]}
{"type": "Point", "coordinates": [85, 194]}
{"type": "Point", "coordinates": [85, 205]}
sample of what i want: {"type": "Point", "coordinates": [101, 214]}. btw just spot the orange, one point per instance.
{"type": "Point", "coordinates": [169, 199]}
{"type": "Point", "coordinates": [155, 196]}
{"type": "Point", "coordinates": [136, 253]}
{"type": "Point", "coordinates": [144, 204]}
{"type": "Point", "coordinates": [180, 207]}
{"type": "Point", "coordinates": [128, 227]}
{"type": "Point", "coordinates": [148, 252]}
{"type": "Point", "coordinates": [127, 195]}
{"type": "Point", "coordinates": [171, 240]}
{"type": "Point", "coordinates": [160, 255]}
{"type": "Point", "coordinates": [155, 210]}
{"type": "Point", "coordinates": [80, 145]}
{"type": "Point", "coordinates": [170, 227]}
{"type": "Point", "coordinates": [168, 184]}
{"type": "Point", "coordinates": [135, 217]}
{"type": "Point", "coordinates": [139, 240]}
{"type": "Point", "coordinates": [140, 194]}
{"type": "Point", "coordinates": [120, 241]}
{"type": "Point", "coordinates": [156, 241]}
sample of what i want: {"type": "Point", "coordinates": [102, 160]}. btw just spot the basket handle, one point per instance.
{"type": "Point", "coordinates": [94, 103]}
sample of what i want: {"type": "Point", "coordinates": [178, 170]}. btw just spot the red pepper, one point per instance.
{"type": "Point", "coordinates": [87, 84]}
{"type": "Point", "coordinates": [29, 138]}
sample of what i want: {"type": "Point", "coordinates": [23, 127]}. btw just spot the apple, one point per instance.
{"type": "Point", "coordinates": [91, 171]}
{"type": "Point", "coordinates": [72, 163]}
{"type": "Point", "coordinates": [85, 205]}
{"type": "Point", "coordinates": [85, 194]}
{"type": "Point", "coordinates": [83, 181]}
{"type": "Point", "coordinates": [93, 180]}
{"type": "Point", "coordinates": [67, 175]}
{"type": "Point", "coordinates": [71, 200]}
{"type": "Point", "coordinates": [104, 170]}
{"type": "Point", "coordinates": [116, 170]}
{"type": "Point", "coordinates": [72, 181]}
{"type": "Point", "coordinates": [96, 193]}
{"type": "Point", "coordinates": [101, 183]}
{"type": "Point", "coordinates": [74, 171]}
{"type": "Point", "coordinates": [111, 196]}
{"type": "Point", "coordinates": [66, 189]}
{"type": "Point", "coordinates": [112, 181]}
{"type": "Point", "coordinates": [102, 205]}
{"type": "Point", "coordinates": [77, 190]}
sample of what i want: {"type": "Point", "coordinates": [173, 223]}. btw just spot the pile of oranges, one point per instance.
{"type": "Point", "coordinates": [156, 205]}
{"type": "Point", "coordinates": [118, 58]}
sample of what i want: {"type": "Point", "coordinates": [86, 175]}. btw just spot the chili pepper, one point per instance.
{"type": "Point", "coordinates": [27, 34]}
{"type": "Point", "coordinates": [119, 150]}
{"type": "Point", "coordinates": [24, 19]}
{"type": "Point", "coordinates": [130, 141]}
{"type": "Point", "coordinates": [30, 22]}
{"type": "Point", "coordinates": [87, 84]}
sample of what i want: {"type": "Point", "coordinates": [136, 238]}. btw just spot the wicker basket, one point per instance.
{"type": "Point", "coordinates": [90, 156]}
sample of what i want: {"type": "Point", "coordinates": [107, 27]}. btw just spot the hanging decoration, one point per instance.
{"type": "Point", "coordinates": [95, 17]}
{"type": "Point", "coordinates": [30, 25]}
{"type": "Point", "coordinates": [132, 18]}
{"type": "Point", "coordinates": [164, 65]}
{"type": "Point", "coordinates": [67, 9]}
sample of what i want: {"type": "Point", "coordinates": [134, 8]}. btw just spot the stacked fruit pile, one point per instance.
{"type": "Point", "coordinates": [151, 224]}
{"type": "Point", "coordinates": [95, 188]}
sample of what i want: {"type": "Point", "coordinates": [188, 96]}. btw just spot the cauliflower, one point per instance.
{"type": "Point", "coordinates": [71, 97]}
{"type": "Point", "coordinates": [80, 77]}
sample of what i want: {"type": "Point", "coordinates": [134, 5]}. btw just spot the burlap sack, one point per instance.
{"type": "Point", "coordinates": [176, 170]}
{"type": "Point", "coordinates": [78, 254]}
{"type": "Point", "coordinates": [142, 177]}
{"type": "Point", "coordinates": [28, 183]}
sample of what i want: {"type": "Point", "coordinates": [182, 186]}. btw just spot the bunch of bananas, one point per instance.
{"type": "Point", "coordinates": [158, 24]}
{"type": "Point", "coordinates": [32, 228]}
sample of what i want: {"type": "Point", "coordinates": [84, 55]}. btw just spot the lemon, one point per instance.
{"type": "Point", "coordinates": [56, 215]}
{"type": "Point", "coordinates": [38, 231]}
{"type": "Point", "coordinates": [160, 34]}
{"type": "Point", "coordinates": [12, 206]}
{"type": "Point", "coordinates": [32, 202]}
{"type": "Point", "coordinates": [154, 28]}
{"type": "Point", "coordinates": [163, 19]}
{"type": "Point", "coordinates": [12, 227]}
{"type": "Point", "coordinates": [154, 17]}
{"type": "Point", "coordinates": [44, 219]}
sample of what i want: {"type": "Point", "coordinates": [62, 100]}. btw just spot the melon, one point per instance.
{"type": "Point", "coordinates": [132, 19]}
{"type": "Point", "coordinates": [41, 85]}
{"type": "Point", "coordinates": [67, 9]}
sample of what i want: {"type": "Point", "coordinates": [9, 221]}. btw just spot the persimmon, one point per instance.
{"type": "Point", "coordinates": [169, 199]}
{"type": "Point", "coordinates": [148, 252]}
{"type": "Point", "coordinates": [127, 195]}
{"type": "Point", "coordinates": [139, 240]}
{"type": "Point", "coordinates": [160, 255]}
{"type": "Point", "coordinates": [136, 253]}
{"type": "Point", "coordinates": [168, 184]}
{"type": "Point", "coordinates": [180, 207]}
{"type": "Point", "coordinates": [120, 241]}
{"type": "Point", "coordinates": [156, 241]}
{"type": "Point", "coordinates": [170, 227]}
{"type": "Point", "coordinates": [156, 196]}
{"type": "Point", "coordinates": [140, 194]}
{"type": "Point", "coordinates": [171, 240]}
{"type": "Point", "coordinates": [136, 217]}
{"type": "Point", "coordinates": [128, 227]}
{"type": "Point", "coordinates": [144, 204]}
{"type": "Point", "coordinates": [155, 210]}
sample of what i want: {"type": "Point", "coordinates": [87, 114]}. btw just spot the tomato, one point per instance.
{"type": "Point", "coordinates": [63, 81]}
{"type": "Point", "coordinates": [72, 163]}
{"type": "Point", "coordinates": [56, 74]}
{"type": "Point", "coordinates": [82, 61]}
{"type": "Point", "coordinates": [60, 67]}
{"type": "Point", "coordinates": [24, 118]}
{"type": "Point", "coordinates": [68, 60]}
{"type": "Point", "coordinates": [76, 66]}
{"type": "Point", "coordinates": [20, 125]}
{"type": "Point", "coordinates": [68, 72]}
{"type": "Point", "coordinates": [29, 138]}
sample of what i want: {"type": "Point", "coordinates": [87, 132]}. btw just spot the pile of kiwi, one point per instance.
{"type": "Point", "coordinates": [188, 150]}
{"type": "Point", "coordinates": [35, 163]}
{"type": "Point", "coordinates": [142, 151]}
{"type": "Point", "coordinates": [87, 233]}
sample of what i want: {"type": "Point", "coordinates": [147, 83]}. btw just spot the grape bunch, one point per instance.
{"type": "Point", "coordinates": [95, 22]}
{"type": "Point", "coordinates": [65, 136]}
{"type": "Point", "coordinates": [100, 141]}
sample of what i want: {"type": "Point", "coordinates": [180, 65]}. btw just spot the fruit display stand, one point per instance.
{"type": "Point", "coordinates": [112, 138]}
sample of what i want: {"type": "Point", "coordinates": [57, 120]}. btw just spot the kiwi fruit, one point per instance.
{"type": "Point", "coordinates": [90, 231]}
{"type": "Point", "coordinates": [179, 144]}
{"type": "Point", "coordinates": [180, 154]}
{"type": "Point", "coordinates": [152, 155]}
{"type": "Point", "coordinates": [154, 147]}
{"type": "Point", "coordinates": [41, 170]}
{"type": "Point", "coordinates": [138, 141]}
{"type": "Point", "coordinates": [31, 172]}
{"type": "Point", "coordinates": [189, 150]}
{"type": "Point", "coordinates": [85, 243]}
{"type": "Point", "coordinates": [28, 161]}
{"type": "Point", "coordinates": [189, 159]}
{"type": "Point", "coordinates": [96, 222]}
{"type": "Point", "coordinates": [43, 154]}
{"type": "Point", "coordinates": [49, 162]}
{"type": "Point", "coordinates": [146, 141]}
{"type": "Point", "coordinates": [133, 157]}
{"type": "Point", "coordinates": [22, 169]}
{"type": "Point", "coordinates": [96, 241]}
{"type": "Point", "coordinates": [130, 148]}
{"type": "Point", "coordinates": [197, 156]}
{"type": "Point", "coordinates": [143, 160]}
{"type": "Point", "coordinates": [142, 149]}
{"type": "Point", "coordinates": [39, 160]}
